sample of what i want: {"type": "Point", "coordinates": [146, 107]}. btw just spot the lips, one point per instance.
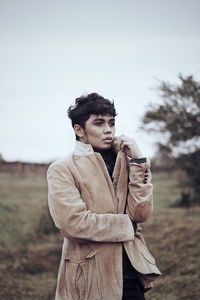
{"type": "Point", "coordinates": [108, 139]}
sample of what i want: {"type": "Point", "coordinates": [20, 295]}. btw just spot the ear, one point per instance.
{"type": "Point", "coordinates": [79, 131]}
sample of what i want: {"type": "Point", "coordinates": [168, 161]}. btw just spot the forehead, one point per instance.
{"type": "Point", "coordinates": [106, 117]}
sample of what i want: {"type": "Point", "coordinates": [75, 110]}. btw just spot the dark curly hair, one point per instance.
{"type": "Point", "coordinates": [91, 104]}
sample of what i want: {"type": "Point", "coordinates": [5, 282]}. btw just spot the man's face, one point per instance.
{"type": "Point", "coordinates": [99, 131]}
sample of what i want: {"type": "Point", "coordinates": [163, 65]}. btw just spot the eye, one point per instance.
{"type": "Point", "coordinates": [112, 123]}
{"type": "Point", "coordinates": [99, 123]}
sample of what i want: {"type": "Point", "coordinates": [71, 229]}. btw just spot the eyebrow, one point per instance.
{"type": "Point", "coordinates": [101, 119]}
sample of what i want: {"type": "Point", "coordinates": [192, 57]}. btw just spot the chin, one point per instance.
{"type": "Point", "coordinates": [103, 147]}
{"type": "Point", "coordinates": [106, 147]}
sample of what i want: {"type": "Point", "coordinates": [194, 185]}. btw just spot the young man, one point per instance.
{"type": "Point", "coordinates": [97, 197]}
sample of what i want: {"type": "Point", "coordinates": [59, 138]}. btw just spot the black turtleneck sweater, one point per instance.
{"type": "Point", "coordinates": [109, 157]}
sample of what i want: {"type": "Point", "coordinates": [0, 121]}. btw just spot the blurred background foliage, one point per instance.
{"type": "Point", "coordinates": [177, 120]}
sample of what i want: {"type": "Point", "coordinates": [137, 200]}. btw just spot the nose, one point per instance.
{"type": "Point", "coordinates": [107, 128]}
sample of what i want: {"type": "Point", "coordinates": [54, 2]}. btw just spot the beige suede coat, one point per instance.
{"type": "Point", "coordinates": [93, 214]}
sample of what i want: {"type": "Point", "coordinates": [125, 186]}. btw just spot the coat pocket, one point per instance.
{"type": "Point", "coordinates": [82, 277]}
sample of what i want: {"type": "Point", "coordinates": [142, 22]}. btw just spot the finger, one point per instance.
{"type": "Point", "coordinates": [139, 227]}
{"type": "Point", "coordinates": [123, 145]}
{"type": "Point", "coordinates": [138, 235]}
{"type": "Point", "coordinates": [124, 138]}
{"type": "Point", "coordinates": [117, 143]}
{"type": "Point", "coordinates": [126, 144]}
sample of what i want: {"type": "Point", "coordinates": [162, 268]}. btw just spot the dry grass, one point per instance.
{"type": "Point", "coordinates": [172, 235]}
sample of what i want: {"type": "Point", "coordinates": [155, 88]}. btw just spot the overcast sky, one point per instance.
{"type": "Point", "coordinates": [54, 51]}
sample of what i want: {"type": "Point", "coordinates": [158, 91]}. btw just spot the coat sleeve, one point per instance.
{"type": "Point", "coordinates": [140, 192]}
{"type": "Point", "coordinates": [72, 217]}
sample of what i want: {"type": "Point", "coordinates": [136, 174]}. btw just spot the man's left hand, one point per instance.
{"type": "Point", "coordinates": [130, 147]}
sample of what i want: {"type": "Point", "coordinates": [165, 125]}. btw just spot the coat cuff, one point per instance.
{"type": "Point", "coordinates": [138, 160]}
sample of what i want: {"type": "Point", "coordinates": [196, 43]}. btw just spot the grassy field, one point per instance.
{"type": "Point", "coordinates": [30, 250]}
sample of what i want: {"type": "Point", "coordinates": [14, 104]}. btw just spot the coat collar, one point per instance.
{"type": "Point", "coordinates": [82, 149]}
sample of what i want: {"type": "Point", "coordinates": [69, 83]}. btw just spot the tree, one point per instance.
{"type": "Point", "coordinates": [177, 118]}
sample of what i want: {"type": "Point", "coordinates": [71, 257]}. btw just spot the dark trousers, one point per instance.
{"type": "Point", "coordinates": [132, 290]}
